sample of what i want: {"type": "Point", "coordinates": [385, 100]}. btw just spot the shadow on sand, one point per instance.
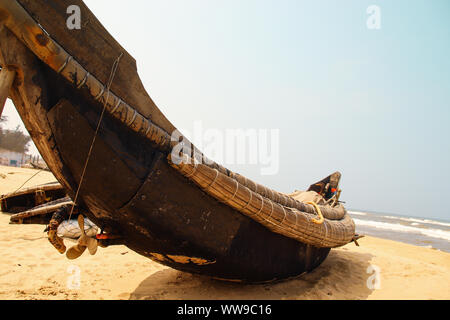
{"type": "Point", "coordinates": [343, 275]}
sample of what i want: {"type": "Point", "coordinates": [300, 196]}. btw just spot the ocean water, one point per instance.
{"type": "Point", "coordinates": [417, 231]}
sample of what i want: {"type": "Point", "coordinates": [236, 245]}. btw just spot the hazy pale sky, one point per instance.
{"type": "Point", "coordinates": [373, 104]}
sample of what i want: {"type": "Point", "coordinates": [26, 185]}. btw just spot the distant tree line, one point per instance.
{"type": "Point", "coordinates": [13, 140]}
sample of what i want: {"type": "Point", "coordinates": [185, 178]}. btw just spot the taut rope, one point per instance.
{"type": "Point", "coordinates": [91, 148]}
{"type": "Point", "coordinates": [26, 182]}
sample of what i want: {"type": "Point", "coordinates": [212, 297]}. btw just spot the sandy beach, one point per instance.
{"type": "Point", "coordinates": [30, 268]}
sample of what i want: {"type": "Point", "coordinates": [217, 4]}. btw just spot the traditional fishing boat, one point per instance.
{"type": "Point", "coordinates": [107, 143]}
{"type": "Point", "coordinates": [29, 198]}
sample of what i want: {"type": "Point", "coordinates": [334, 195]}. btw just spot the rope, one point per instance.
{"type": "Point", "coordinates": [111, 78]}
{"type": "Point", "coordinates": [319, 212]}
{"type": "Point", "coordinates": [214, 181]}
{"type": "Point", "coordinates": [26, 182]}
{"type": "Point", "coordinates": [234, 195]}
{"type": "Point", "coordinates": [251, 197]}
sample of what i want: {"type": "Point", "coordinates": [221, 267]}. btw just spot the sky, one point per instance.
{"type": "Point", "coordinates": [373, 104]}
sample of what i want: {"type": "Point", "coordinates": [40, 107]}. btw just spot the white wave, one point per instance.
{"type": "Point", "coordinates": [357, 213]}
{"type": "Point", "coordinates": [427, 221]}
{"type": "Point", "coordinates": [435, 233]}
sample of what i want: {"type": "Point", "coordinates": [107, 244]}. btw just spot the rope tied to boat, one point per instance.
{"type": "Point", "coordinates": [321, 219]}
{"type": "Point", "coordinates": [91, 148]}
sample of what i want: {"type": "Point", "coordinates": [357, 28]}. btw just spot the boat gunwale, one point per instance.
{"type": "Point", "coordinates": [44, 187]}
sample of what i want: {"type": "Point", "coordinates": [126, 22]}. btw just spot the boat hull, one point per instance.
{"type": "Point", "coordinates": [131, 190]}
{"type": "Point", "coordinates": [160, 213]}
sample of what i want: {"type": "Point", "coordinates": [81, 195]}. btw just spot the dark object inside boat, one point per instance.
{"type": "Point", "coordinates": [328, 187]}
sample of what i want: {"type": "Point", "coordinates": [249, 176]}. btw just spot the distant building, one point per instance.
{"type": "Point", "coordinates": [11, 158]}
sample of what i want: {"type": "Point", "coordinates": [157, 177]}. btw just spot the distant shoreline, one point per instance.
{"type": "Point", "coordinates": [398, 215]}
{"type": "Point", "coordinates": [422, 232]}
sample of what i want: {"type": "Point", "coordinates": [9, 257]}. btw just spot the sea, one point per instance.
{"type": "Point", "coordinates": [423, 232]}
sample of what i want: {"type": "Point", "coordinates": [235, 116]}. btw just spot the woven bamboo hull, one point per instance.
{"type": "Point", "coordinates": [130, 187]}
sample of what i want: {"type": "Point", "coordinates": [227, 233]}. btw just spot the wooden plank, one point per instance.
{"type": "Point", "coordinates": [18, 218]}
{"type": "Point", "coordinates": [7, 76]}
{"type": "Point", "coordinates": [44, 187]}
